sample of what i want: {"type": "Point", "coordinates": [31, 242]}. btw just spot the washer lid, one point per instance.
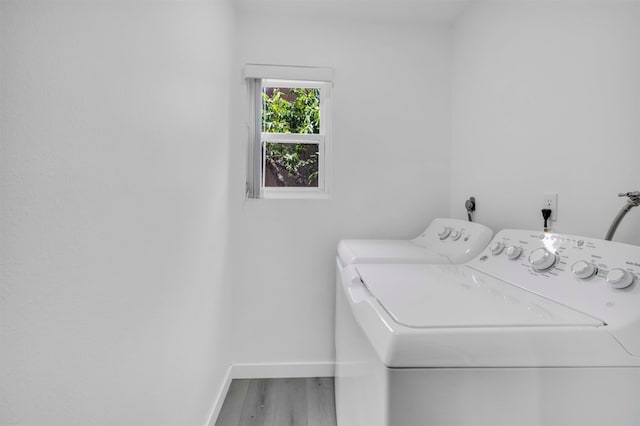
{"type": "Point", "coordinates": [446, 296]}
{"type": "Point", "coordinates": [386, 251]}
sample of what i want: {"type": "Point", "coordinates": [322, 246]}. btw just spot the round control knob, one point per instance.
{"type": "Point", "coordinates": [444, 233]}
{"type": "Point", "coordinates": [455, 235]}
{"type": "Point", "coordinates": [583, 269]}
{"type": "Point", "coordinates": [542, 259]}
{"type": "Point", "coordinates": [619, 278]}
{"type": "Point", "coordinates": [513, 252]}
{"type": "Point", "coordinates": [496, 248]}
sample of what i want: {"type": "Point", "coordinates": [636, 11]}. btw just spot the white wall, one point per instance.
{"type": "Point", "coordinates": [114, 164]}
{"type": "Point", "coordinates": [547, 99]}
{"type": "Point", "coordinates": [115, 304]}
{"type": "Point", "coordinates": [391, 115]}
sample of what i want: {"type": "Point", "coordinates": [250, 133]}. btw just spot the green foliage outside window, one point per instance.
{"type": "Point", "coordinates": [291, 110]}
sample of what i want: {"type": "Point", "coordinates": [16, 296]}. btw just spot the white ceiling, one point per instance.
{"type": "Point", "coordinates": [445, 11]}
{"type": "Point", "coordinates": [406, 10]}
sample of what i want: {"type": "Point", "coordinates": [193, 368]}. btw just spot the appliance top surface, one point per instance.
{"type": "Point", "coordinates": [449, 296]}
{"type": "Point", "coordinates": [446, 240]}
{"type": "Point", "coordinates": [386, 251]}
{"type": "Point", "coordinates": [587, 274]}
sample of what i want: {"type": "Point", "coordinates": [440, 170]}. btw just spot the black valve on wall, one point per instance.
{"type": "Point", "coordinates": [470, 205]}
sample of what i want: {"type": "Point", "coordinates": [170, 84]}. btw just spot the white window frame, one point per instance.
{"type": "Point", "coordinates": [257, 139]}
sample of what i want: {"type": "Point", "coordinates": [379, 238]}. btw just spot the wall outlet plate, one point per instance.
{"type": "Point", "coordinates": [550, 201]}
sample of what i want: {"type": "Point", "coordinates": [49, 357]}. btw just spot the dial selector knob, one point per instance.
{"type": "Point", "coordinates": [444, 233]}
{"type": "Point", "coordinates": [619, 278]}
{"type": "Point", "coordinates": [583, 269]}
{"type": "Point", "coordinates": [455, 235]}
{"type": "Point", "coordinates": [496, 248]}
{"type": "Point", "coordinates": [542, 259]}
{"type": "Point", "coordinates": [513, 252]}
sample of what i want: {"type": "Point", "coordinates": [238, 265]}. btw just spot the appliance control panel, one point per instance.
{"type": "Point", "coordinates": [457, 239]}
{"type": "Point", "coordinates": [597, 277]}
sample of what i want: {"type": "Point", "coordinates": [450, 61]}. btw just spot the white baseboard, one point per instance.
{"type": "Point", "coordinates": [217, 406]}
{"type": "Point", "coordinates": [268, 371]}
{"type": "Point", "coordinates": [275, 370]}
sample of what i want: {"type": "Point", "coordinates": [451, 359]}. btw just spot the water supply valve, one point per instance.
{"type": "Point", "coordinates": [470, 205]}
{"type": "Point", "coordinates": [634, 197]}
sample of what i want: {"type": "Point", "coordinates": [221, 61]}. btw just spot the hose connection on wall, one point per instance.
{"type": "Point", "coordinates": [470, 205]}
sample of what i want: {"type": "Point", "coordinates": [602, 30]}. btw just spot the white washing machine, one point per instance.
{"type": "Point", "coordinates": [446, 240]}
{"type": "Point", "coordinates": [537, 330]}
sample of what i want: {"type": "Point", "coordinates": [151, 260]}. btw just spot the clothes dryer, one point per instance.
{"type": "Point", "coordinates": [445, 241]}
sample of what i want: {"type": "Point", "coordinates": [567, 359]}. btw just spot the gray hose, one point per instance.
{"type": "Point", "coordinates": [633, 201]}
{"type": "Point", "coordinates": [614, 225]}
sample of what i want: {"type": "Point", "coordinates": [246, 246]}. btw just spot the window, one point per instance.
{"type": "Point", "coordinates": [289, 141]}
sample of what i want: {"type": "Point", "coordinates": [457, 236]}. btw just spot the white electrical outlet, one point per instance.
{"type": "Point", "coordinates": [550, 201]}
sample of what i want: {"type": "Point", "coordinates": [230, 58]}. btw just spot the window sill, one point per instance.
{"type": "Point", "coordinates": [293, 195]}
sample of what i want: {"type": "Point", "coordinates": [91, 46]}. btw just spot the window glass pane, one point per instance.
{"type": "Point", "coordinates": [290, 165]}
{"type": "Point", "coordinates": [290, 110]}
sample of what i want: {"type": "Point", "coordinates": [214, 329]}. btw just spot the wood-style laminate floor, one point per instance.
{"type": "Point", "coordinates": [279, 402]}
